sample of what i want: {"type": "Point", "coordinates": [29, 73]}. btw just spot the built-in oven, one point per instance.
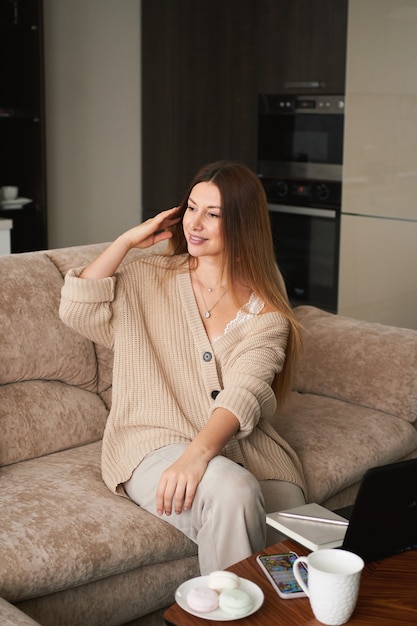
{"type": "Point", "coordinates": [306, 241]}
{"type": "Point", "coordinates": [300, 157]}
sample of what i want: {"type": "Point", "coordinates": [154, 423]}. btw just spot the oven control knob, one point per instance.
{"type": "Point", "coordinates": [281, 189]}
{"type": "Point", "coordinates": [322, 192]}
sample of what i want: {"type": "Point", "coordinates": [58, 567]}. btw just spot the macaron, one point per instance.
{"type": "Point", "coordinates": [235, 602]}
{"type": "Point", "coordinates": [202, 600]}
{"type": "Point", "coordinates": [221, 580]}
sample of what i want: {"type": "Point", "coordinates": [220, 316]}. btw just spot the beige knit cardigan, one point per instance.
{"type": "Point", "coordinates": [167, 376]}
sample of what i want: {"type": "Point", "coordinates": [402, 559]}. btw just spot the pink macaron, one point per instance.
{"type": "Point", "coordinates": [202, 600]}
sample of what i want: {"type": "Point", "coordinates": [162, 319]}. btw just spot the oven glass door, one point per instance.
{"type": "Point", "coordinates": [306, 245]}
{"type": "Point", "coordinates": [301, 145]}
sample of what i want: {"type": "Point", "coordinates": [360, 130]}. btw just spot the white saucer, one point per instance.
{"type": "Point", "coordinates": [218, 615]}
{"type": "Point", "coordinates": [17, 203]}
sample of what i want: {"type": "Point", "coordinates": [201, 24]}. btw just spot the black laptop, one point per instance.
{"type": "Point", "coordinates": [383, 520]}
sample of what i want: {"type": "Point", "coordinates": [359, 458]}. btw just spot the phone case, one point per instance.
{"type": "Point", "coordinates": [278, 570]}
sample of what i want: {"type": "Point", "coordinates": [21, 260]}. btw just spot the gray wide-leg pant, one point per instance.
{"type": "Point", "coordinates": [227, 517]}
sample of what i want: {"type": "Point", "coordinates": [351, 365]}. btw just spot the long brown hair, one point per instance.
{"type": "Point", "coordinates": [249, 256]}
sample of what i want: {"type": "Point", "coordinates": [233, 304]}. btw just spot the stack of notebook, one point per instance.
{"type": "Point", "coordinates": [311, 525]}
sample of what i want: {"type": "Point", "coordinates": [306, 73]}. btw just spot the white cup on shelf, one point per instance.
{"type": "Point", "coordinates": [333, 583]}
{"type": "Point", "coordinates": [9, 192]}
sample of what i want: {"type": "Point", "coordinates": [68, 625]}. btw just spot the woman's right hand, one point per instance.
{"type": "Point", "coordinates": [152, 231]}
{"type": "Point", "coordinates": [144, 235]}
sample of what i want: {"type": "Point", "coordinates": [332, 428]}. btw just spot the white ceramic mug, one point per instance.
{"type": "Point", "coordinates": [9, 193]}
{"type": "Point", "coordinates": [333, 583]}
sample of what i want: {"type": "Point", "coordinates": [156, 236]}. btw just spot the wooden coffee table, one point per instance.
{"type": "Point", "coordinates": [387, 596]}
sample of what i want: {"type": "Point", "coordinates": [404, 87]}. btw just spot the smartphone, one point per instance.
{"type": "Point", "coordinates": [278, 570]}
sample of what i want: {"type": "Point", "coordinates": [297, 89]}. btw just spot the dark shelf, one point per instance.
{"type": "Point", "coordinates": [16, 114]}
{"type": "Point", "coordinates": [28, 232]}
{"type": "Point", "coordinates": [20, 14]}
{"type": "Point", "coordinates": [22, 125]}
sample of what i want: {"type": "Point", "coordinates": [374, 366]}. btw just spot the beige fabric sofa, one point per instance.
{"type": "Point", "coordinates": [74, 554]}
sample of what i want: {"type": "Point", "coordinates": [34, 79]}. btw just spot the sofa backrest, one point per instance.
{"type": "Point", "coordinates": [35, 345]}
{"type": "Point", "coordinates": [365, 363]}
{"type": "Point", "coordinates": [55, 386]}
{"type": "Point", "coordinates": [80, 256]}
{"type": "Point", "coordinates": [48, 373]}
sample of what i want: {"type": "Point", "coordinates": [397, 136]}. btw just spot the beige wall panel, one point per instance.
{"type": "Point", "coordinates": [92, 84]}
{"type": "Point", "coordinates": [380, 149]}
{"type": "Point", "coordinates": [378, 255]}
{"type": "Point", "coordinates": [378, 270]}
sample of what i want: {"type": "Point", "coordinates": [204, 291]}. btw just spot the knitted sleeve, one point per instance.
{"type": "Point", "coordinates": [86, 306]}
{"type": "Point", "coordinates": [248, 371]}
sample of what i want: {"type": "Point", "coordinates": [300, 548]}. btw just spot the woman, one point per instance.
{"type": "Point", "coordinates": [204, 345]}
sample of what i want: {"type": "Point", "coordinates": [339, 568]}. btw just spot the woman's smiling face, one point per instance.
{"type": "Point", "coordinates": [202, 221]}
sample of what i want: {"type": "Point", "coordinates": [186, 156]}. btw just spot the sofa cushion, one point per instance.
{"type": "Point", "coordinates": [39, 417]}
{"type": "Point", "coordinates": [80, 256]}
{"type": "Point", "coordinates": [337, 442]}
{"type": "Point", "coordinates": [133, 598]}
{"type": "Point", "coordinates": [61, 527]}
{"type": "Point", "coordinates": [34, 343]}
{"type": "Point", "coordinates": [11, 616]}
{"type": "Point", "coordinates": [361, 362]}
{"type": "Point", "coordinates": [76, 256]}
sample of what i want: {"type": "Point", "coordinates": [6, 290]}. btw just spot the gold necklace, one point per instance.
{"type": "Point", "coordinates": [207, 312]}
{"type": "Point", "coordinates": [209, 289]}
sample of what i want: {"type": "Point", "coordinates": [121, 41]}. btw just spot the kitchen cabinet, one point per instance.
{"type": "Point", "coordinates": [199, 93]}
{"type": "Point", "coordinates": [378, 252]}
{"type": "Point", "coordinates": [202, 71]}
{"type": "Point", "coordinates": [22, 150]}
{"type": "Point", "coordinates": [378, 270]}
{"type": "Point", "coordinates": [302, 46]}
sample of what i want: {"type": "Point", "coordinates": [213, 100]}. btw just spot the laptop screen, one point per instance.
{"type": "Point", "coordinates": [384, 517]}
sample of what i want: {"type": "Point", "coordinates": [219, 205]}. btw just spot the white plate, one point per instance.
{"type": "Point", "coordinates": [17, 203]}
{"type": "Point", "coordinates": [218, 615]}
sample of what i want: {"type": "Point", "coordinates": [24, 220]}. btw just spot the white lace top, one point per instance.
{"type": "Point", "coordinates": [251, 308]}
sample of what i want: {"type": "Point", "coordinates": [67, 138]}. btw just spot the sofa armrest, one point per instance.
{"type": "Point", "coordinates": [12, 616]}
{"type": "Point", "coordinates": [365, 363]}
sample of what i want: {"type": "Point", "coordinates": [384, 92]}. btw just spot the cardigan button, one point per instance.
{"type": "Point", "coordinates": [215, 393]}
{"type": "Point", "coordinates": [207, 356]}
